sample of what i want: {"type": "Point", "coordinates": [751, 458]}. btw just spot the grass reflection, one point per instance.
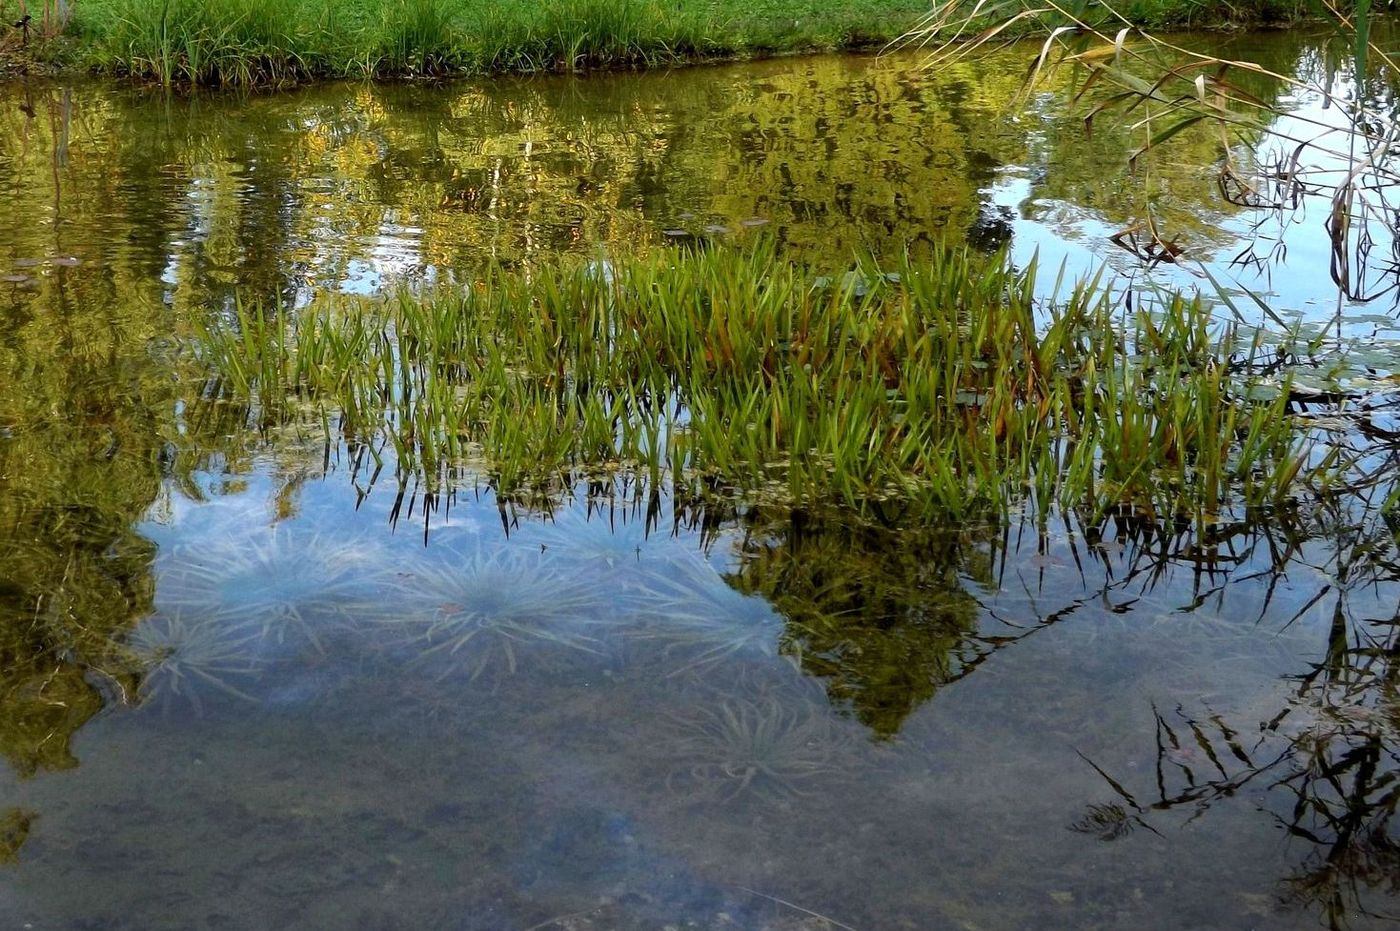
{"type": "Point", "coordinates": [1324, 762]}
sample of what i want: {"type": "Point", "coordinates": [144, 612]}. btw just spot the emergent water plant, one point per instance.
{"type": "Point", "coordinates": [943, 387]}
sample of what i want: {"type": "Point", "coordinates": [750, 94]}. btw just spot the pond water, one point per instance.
{"type": "Point", "coordinates": [244, 684]}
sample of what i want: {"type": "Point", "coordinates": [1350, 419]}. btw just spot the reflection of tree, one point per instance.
{"type": "Point", "coordinates": [15, 824]}
{"type": "Point", "coordinates": [89, 421]}
{"type": "Point", "coordinates": [88, 451]}
{"type": "Point", "coordinates": [187, 200]}
{"type": "Point", "coordinates": [184, 201]}
{"type": "Point", "coordinates": [879, 615]}
{"type": "Point", "coordinates": [79, 465]}
{"type": "Point", "coordinates": [1174, 184]}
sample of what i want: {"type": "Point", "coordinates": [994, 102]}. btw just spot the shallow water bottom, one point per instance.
{"type": "Point", "coordinates": [593, 722]}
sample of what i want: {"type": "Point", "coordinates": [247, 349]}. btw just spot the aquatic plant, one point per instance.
{"type": "Point", "coordinates": [600, 541]}
{"type": "Point", "coordinates": [269, 583]}
{"type": "Point", "coordinates": [698, 619]}
{"type": "Point", "coordinates": [479, 609]}
{"type": "Point", "coordinates": [177, 658]}
{"type": "Point", "coordinates": [1107, 822]}
{"type": "Point", "coordinates": [941, 388]}
{"type": "Point", "coordinates": [759, 748]}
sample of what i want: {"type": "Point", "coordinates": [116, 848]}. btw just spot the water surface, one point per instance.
{"type": "Point", "coordinates": [178, 200]}
{"type": "Point", "coordinates": [244, 684]}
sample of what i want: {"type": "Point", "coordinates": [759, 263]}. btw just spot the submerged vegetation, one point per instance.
{"type": "Point", "coordinates": [756, 747]}
{"type": "Point", "coordinates": [262, 581]}
{"type": "Point", "coordinates": [698, 618]}
{"type": "Point", "coordinates": [178, 659]}
{"type": "Point", "coordinates": [942, 387]}
{"type": "Point", "coordinates": [484, 608]}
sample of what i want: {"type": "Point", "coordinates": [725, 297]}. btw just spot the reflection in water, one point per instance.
{"type": "Point", "coordinates": [296, 706]}
{"type": "Point", "coordinates": [353, 187]}
{"type": "Point", "coordinates": [880, 615]}
{"type": "Point", "coordinates": [860, 704]}
{"type": "Point", "coordinates": [14, 828]}
{"type": "Point", "coordinates": [1323, 755]}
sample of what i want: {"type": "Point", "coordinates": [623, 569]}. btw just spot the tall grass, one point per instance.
{"type": "Point", "coordinates": [589, 33]}
{"type": "Point", "coordinates": [945, 386]}
{"type": "Point", "coordinates": [242, 42]}
{"type": "Point", "coordinates": [237, 42]}
{"type": "Point", "coordinates": [229, 42]}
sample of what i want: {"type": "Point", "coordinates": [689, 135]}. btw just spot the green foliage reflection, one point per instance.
{"type": "Point", "coordinates": [881, 616]}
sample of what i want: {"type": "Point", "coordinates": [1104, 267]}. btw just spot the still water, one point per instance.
{"type": "Point", "coordinates": [245, 683]}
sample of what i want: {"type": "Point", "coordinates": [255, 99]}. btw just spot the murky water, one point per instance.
{"type": "Point", "coordinates": [243, 685]}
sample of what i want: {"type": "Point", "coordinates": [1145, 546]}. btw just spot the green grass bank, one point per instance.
{"type": "Point", "coordinates": [245, 42]}
{"type": "Point", "coordinates": [278, 42]}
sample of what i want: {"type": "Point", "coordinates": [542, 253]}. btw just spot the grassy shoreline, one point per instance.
{"type": "Point", "coordinates": [284, 42]}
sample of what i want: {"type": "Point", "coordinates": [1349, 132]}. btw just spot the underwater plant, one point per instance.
{"type": "Point", "coordinates": [270, 582]}
{"type": "Point", "coordinates": [762, 748]}
{"type": "Point", "coordinates": [179, 658]}
{"type": "Point", "coordinates": [480, 608]}
{"type": "Point", "coordinates": [692, 612]}
{"type": "Point", "coordinates": [599, 541]}
{"type": "Point", "coordinates": [1106, 822]}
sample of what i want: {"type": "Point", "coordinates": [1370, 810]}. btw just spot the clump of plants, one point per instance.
{"type": "Point", "coordinates": [945, 386]}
